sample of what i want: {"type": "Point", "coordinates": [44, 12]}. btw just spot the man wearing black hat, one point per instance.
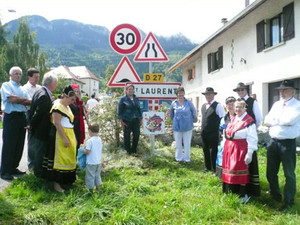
{"type": "Point", "coordinates": [212, 112]}
{"type": "Point", "coordinates": [252, 105]}
{"type": "Point", "coordinates": [283, 121]}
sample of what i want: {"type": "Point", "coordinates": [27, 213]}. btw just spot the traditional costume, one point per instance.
{"type": "Point", "coordinates": [241, 138]}
{"type": "Point", "coordinates": [60, 161]}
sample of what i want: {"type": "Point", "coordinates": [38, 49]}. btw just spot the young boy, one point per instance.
{"type": "Point", "coordinates": [93, 151]}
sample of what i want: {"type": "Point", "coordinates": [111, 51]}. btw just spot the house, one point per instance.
{"type": "Point", "coordinates": [81, 75]}
{"type": "Point", "coordinates": [65, 72]}
{"type": "Point", "coordinates": [91, 82]}
{"type": "Point", "coordinates": [259, 46]}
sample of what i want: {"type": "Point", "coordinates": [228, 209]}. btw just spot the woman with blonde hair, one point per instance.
{"type": "Point", "coordinates": [241, 143]}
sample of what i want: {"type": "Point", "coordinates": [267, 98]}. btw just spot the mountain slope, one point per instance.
{"type": "Point", "coordinates": [73, 43]}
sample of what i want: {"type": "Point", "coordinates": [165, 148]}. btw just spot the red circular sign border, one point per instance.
{"type": "Point", "coordinates": [120, 50]}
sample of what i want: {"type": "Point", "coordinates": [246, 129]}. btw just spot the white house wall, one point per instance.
{"type": "Point", "coordinates": [91, 86]}
{"type": "Point", "coordinates": [239, 41]}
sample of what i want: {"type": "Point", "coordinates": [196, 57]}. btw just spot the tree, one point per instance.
{"type": "Point", "coordinates": [24, 52]}
{"type": "Point", "coordinates": [61, 84]}
{"type": "Point", "coordinates": [110, 69]}
{"type": "Point", "coordinates": [3, 54]}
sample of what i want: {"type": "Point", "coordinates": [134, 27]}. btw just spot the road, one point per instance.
{"type": "Point", "coordinates": [22, 166]}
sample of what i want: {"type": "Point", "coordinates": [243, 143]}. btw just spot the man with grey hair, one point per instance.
{"type": "Point", "coordinates": [14, 102]}
{"type": "Point", "coordinates": [283, 121]}
{"type": "Point", "coordinates": [39, 120]}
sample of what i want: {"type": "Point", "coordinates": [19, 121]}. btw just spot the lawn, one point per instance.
{"type": "Point", "coordinates": [143, 190]}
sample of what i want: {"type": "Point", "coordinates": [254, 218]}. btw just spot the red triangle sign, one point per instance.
{"type": "Point", "coordinates": [151, 51]}
{"type": "Point", "coordinates": [123, 74]}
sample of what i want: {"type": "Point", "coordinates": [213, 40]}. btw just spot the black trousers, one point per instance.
{"type": "Point", "coordinates": [13, 141]}
{"type": "Point", "coordinates": [210, 148]}
{"type": "Point", "coordinates": [133, 127]}
{"type": "Point", "coordinates": [282, 151]}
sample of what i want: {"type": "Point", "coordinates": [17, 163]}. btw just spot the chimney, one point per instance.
{"type": "Point", "coordinates": [224, 21]}
{"type": "Point", "coordinates": [247, 2]}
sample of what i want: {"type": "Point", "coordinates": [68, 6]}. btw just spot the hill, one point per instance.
{"type": "Point", "coordinates": [72, 43]}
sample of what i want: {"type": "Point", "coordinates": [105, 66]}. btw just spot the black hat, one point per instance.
{"type": "Point", "coordinates": [209, 90]}
{"type": "Point", "coordinates": [240, 85]}
{"type": "Point", "coordinates": [286, 84]}
{"type": "Point", "coordinates": [67, 90]}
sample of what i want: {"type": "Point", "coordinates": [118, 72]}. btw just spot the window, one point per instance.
{"type": "Point", "coordinates": [273, 31]}
{"type": "Point", "coordinates": [215, 60]}
{"type": "Point", "coordinates": [191, 73]}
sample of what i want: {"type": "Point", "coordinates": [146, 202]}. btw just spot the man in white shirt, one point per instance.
{"type": "Point", "coordinates": [252, 105]}
{"type": "Point", "coordinates": [283, 121]}
{"type": "Point", "coordinates": [31, 87]}
{"type": "Point", "coordinates": [91, 103]}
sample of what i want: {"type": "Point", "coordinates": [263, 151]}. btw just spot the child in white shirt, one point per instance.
{"type": "Point", "coordinates": [93, 151]}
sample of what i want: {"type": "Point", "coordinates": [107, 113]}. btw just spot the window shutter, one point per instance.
{"type": "Point", "coordinates": [194, 72]}
{"type": "Point", "coordinates": [260, 36]}
{"type": "Point", "coordinates": [220, 57]}
{"type": "Point", "coordinates": [209, 62]}
{"type": "Point", "coordinates": [188, 75]}
{"type": "Point", "coordinates": [288, 22]}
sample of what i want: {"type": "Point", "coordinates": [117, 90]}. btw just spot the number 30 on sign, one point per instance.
{"type": "Point", "coordinates": [125, 39]}
{"type": "Point", "coordinates": [153, 77]}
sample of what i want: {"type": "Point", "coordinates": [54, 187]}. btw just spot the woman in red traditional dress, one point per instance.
{"type": "Point", "coordinates": [241, 142]}
{"type": "Point", "coordinates": [79, 111]}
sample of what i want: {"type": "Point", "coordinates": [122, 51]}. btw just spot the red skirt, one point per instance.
{"type": "Point", "coordinates": [235, 171]}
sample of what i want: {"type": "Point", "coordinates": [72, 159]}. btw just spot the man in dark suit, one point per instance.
{"type": "Point", "coordinates": [212, 112]}
{"type": "Point", "coordinates": [40, 124]}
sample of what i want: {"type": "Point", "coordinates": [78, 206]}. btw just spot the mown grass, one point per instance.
{"type": "Point", "coordinates": [143, 190]}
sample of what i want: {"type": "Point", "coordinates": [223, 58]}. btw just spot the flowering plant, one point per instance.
{"type": "Point", "coordinates": [162, 108]}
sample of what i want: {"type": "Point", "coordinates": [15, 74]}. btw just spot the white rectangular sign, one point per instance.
{"type": "Point", "coordinates": [154, 122]}
{"type": "Point", "coordinates": [156, 90]}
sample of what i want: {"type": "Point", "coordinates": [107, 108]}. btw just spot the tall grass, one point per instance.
{"type": "Point", "coordinates": [143, 190]}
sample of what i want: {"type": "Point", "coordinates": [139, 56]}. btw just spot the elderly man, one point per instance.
{"type": "Point", "coordinates": [40, 124]}
{"type": "Point", "coordinates": [31, 87]}
{"type": "Point", "coordinates": [14, 102]}
{"type": "Point", "coordinates": [283, 121]}
{"type": "Point", "coordinates": [212, 112]}
{"type": "Point", "coordinates": [252, 105]}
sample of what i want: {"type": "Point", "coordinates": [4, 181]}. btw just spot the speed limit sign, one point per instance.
{"type": "Point", "coordinates": [125, 39]}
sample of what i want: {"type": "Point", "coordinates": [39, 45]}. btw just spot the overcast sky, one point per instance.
{"type": "Point", "coordinates": [195, 19]}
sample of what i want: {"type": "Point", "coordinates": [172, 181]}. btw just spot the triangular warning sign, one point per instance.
{"type": "Point", "coordinates": [123, 74]}
{"type": "Point", "coordinates": [151, 51]}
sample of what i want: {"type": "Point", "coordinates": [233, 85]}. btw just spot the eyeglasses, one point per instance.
{"type": "Point", "coordinates": [240, 90]}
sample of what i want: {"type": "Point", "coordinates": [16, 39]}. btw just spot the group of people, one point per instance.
{"type": "Point", "coordinates": [55, 130]}
{"type": "Point", "coordinates": [233, 156]}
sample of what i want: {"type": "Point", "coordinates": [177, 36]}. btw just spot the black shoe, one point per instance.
{"type": "Point", "coordinates": [7, 176]}
{"type": "Point", "coordinates": [276, 197]}
{"type": "Point", "coordinates": [18, 172]}
{"type": "Point", "coordinates": [286, 207]}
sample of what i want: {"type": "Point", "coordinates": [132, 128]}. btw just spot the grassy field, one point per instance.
{"type": "Point", "coordinates": [143, 190]}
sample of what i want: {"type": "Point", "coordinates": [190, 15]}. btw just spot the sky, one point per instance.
{"type": "Point", "coordinates": [195, 19]}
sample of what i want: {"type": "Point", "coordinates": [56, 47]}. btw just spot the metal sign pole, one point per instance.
{"type": "Point", "coordinates": [152, 136]}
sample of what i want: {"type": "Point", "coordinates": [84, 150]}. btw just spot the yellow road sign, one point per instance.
{"type": "Point", "coordinates": [154, 77]}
